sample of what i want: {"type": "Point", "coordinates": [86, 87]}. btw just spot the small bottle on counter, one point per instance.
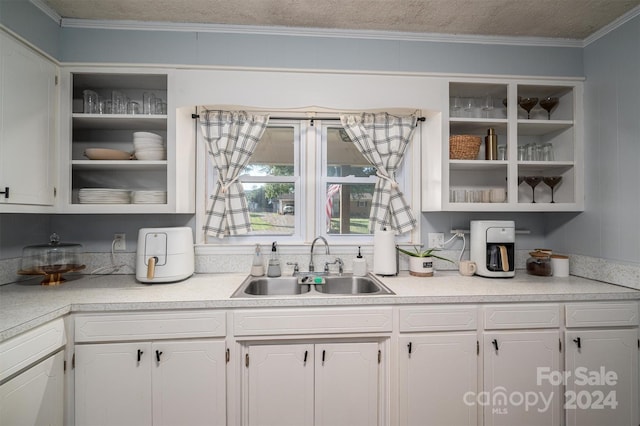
{"type": "Point", "coordinates": [257, 267]}
{"type": "Point", "coordinates": [539, 263]}
{"type": "Point", "coordinates": [359, 265]}
{"type": "Point", "coordinates": [274, 262]}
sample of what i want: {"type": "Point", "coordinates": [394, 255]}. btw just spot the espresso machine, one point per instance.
{"type": "Point", "coordinates": [493, 247]}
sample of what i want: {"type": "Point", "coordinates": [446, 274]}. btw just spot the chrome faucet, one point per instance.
{"type": "Point", "coordinates": [338, 262]}
{"type": "Point", "coordinates": [313, 244]}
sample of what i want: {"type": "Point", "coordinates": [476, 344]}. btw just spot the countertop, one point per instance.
{"type": "Point", "coordinates": [27, 304]}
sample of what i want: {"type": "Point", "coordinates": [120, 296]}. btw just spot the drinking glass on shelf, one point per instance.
{"type": "Point", "coordinates": [548, 104]}
{"type": "Point", "coordinates": [90, 99]}
{"type": "Point", "coordinates": [456, 103]}
{"type": "Point", "coordinates": [527, 104]}
{"type": "Point", "coordinates": [502, 152]}
{"type": "Point", "coordinates": [469, 104]}
{"type": "Point", "coordinates": [487, 104]}
{"type": "Point", "coordinates": [552, 182]}
{"type": "Point", "coordinates": [547, 152]}
{"type": "Point", "coordinates": [522, 153]}
{"type": "Point", "coordinates": [118, 103]}
{"type": "Point", "coordinates": [148, 103]}
{"type": "Point", "coordinates": [533, 181]}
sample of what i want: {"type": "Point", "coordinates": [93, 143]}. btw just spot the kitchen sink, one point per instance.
{"type": "Point", "coordinates": [280, 286]}
{"type": "Point", "coordinates": [352, 285]}
{"type": "Point", "coordinates": [318, 285]}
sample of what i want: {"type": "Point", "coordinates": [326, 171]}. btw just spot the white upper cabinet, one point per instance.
{"type": "Point", "coordinates": [27, 127]}
{"type": "Point", "coordinates": [109, 163]}
{"type": "Point", "coordinates": [534, 151]}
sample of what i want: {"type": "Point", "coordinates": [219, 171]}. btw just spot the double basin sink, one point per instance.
{"type": "Point", "coordinates": [308, 285]}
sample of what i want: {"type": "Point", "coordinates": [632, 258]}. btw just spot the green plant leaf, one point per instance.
{"type": "Point", "coordinates": [424, 253]}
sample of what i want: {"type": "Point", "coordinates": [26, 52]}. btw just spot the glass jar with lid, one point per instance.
{"type": "Point", "coordinates": [539, 263]}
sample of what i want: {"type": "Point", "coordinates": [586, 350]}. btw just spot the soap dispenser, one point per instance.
{"type": "Point", "coordinates": [274, 262]}
{"type": "Point", "coordinates": [257, 268]}
{"type": "Point", "coordinates": [359, 265]}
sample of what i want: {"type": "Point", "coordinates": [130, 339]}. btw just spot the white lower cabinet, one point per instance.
{"type": "Point", "coordinates": [520, 342]}
{"type": "Point", "coordinates": [35, 396]}
{"type": "Point", "coordinates": [437, 365]}
{"type": "Point", "coordinates": [311, 384]}
{"type": "Point", "coordinates": [150, 368]}
{"type": "Point", "coordinates": [438, 379]}
{"type": "Point", "coordinates": [151, 383]}
{"type": "Point", "coordinates": [513, 395]}
{"type": "Point", "coordinates": [602, 364]}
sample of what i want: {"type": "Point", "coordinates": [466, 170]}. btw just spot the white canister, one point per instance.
{"type": "Point", "coordinates": [559, 265]}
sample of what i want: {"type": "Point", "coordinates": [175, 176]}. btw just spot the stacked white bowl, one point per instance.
{"type": "Point", "coordinates": [149, 146]}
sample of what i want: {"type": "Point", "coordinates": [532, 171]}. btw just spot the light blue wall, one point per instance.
{"type": "Point", "coordinates": [26, 20]}
{"type": "Point", "coordinates": [301, 52]}
{"type": "Point", "coordinates": [609, 228]}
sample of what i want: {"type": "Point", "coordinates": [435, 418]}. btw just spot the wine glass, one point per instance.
{"type": "Point", "coordinates": [487, 104]}
{"type": "Point", "coordinates": [548, 104]}
{"type": "Point", "coordinates": [533, 181]}
{"type": "Point", "coordinates": [527, 104]}
{"type": "Point", "coordinates": [552, 182]}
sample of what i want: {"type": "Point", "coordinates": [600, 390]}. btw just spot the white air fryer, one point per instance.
{"type": "Point", "coordinates": [493, 247]}
{"type": "Point", "coordinates": [164, 255]}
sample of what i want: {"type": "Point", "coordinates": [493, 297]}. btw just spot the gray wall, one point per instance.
{"type": "Point", "coordinates": [609, 227]}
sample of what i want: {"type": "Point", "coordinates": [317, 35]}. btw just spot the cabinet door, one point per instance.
{"type": "Point", "coordinates": [113, 384]}
{"type": "Point", "coordinates": [27, 124]}
{"type": "Point", "coordinates": [280, 385]}
{"type": "Point", "coordinates": [347, 378]}
{"type": "Point", "coordinates": [438, 379]}
{"type": "Point", "coordinates": [35, 397]}
{"type": "Point", "coordinates": [189, 383]}
{"type": "Point", "coordinates": [512, 393]}
{"type": "Point", "coordinates": [602, 388]}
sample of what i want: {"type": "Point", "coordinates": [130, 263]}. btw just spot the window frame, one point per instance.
{"type": "Point", "coordinates": [310, 194]}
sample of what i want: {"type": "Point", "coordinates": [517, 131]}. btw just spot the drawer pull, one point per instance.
{"type": "Point", "coordinates": [5, 192]}
{"type": "Point", "coordinates": [158, 353]}
{"type": "Point", "coordinates": [140, 352]}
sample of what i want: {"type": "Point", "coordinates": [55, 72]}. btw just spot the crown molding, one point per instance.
{"type": "Point", "coordinates": [612, 26]}
{"type": "Point", "coordinates": [47, 10]}
{"type": "Point", "coordinates": [317, 32]}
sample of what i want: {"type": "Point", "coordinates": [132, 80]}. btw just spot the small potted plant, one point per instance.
{"type": "Point", "coordinates": [421, 261]}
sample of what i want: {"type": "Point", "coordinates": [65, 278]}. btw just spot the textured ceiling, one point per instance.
{"type": "Point", "coordinates": [569, 19]}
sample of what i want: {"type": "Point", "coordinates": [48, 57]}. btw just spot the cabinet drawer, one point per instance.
{"type": "Point", "coordinates": [254, 322]}
{"type": "Point", "coordinates": [21, 351]}
{"type": "Point", "coordinates": [436, 318]}
{"type": "Point", "coordinates": [149, 326]}
{"type": "Point", "coordinates": [601, 314]}
{"type": "Point", "coordinates": [513, 316]}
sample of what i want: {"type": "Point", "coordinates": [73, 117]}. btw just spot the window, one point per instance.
{"type": "Point", "coordinates": [305, 180]}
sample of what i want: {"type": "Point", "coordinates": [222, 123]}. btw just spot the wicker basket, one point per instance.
{"type": "Point", "coordinates": [464, 147]}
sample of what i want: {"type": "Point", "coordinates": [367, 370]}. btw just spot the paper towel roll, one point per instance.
{"type": "Point", "coordinates": [384, 253]}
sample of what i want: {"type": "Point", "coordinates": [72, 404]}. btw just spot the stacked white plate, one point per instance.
{"type": "Point", "coordinates": [104, 196]}
{"type": "Point", "coordinates": [149, 146]}
{"type": "Point", "coordinates": [149, 197]}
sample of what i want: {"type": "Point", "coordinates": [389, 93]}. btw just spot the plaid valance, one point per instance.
{"type": "Point", "coordinates": [231, 136]}
{"type": "Point", "coordinates": [383, 139]}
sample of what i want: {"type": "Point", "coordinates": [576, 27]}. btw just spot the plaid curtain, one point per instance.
{"type": "Point", "coordinates": [231, 136]}
{"type": "Point", "coordinates": [383, 139]}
